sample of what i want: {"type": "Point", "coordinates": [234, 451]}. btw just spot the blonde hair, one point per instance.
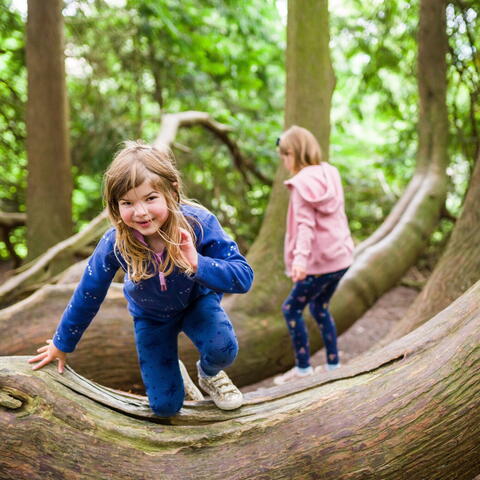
{"type": "Point", "coordinates": [305, 147]}
{"type": "Point", "coordinates": [134, 164]}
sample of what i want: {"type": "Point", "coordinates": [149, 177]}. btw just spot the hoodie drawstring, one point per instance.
{"type": "Point", "coordinates": [161, 276]}
{"type": "Point", "coordinates": [158, 257]}
{"type": "Point", "coordinates": [163, 282]}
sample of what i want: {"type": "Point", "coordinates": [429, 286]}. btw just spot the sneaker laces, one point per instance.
{"type": "Point", "coordinates": [223, 385]}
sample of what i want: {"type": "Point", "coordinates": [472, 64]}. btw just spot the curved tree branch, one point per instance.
{"type": "Point", "coordinates": [171, 122]}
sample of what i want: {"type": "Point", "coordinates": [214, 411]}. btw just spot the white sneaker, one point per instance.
{"type": "Point", "coordinates": [293, 374]}
{"type": "Point", "coordinates": [332, 366]}
{"type": "Point", "coordinates": [223, 392]}
{"type": "Point", "coordinates": [328, 367]}
{"type": "Point", "coordinates": [191, 390]}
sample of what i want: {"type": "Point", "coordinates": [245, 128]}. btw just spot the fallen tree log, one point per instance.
{"type": "Point", "coordinates": [34, 274]}
{"type": "Point", "coordinates": [410, 410]}
{"type": "Point", "coordinates": [107, 351]}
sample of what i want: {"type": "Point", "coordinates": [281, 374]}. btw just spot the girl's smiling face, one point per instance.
{"type": "Point", "coordinates": [144, 208]}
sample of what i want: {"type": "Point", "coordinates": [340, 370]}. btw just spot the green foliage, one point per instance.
{"type": "Point", "coordinates": [226, 57]}
{"type": "Point", "coordinates": [221, 57]}
{"type": "Point", "coordinates": [12, 110]}
{"type": "Point", "coordinates": [375, 102]}
{"type": "Point", "coordinates": [463, 27]}
{"type": "Point", "coordinates": [374, 113]}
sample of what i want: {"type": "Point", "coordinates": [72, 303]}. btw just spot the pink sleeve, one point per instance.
{"type": "Point", "coordinates": [304, 217]}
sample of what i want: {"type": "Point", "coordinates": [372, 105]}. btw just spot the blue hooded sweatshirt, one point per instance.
{"type": "Point", "coordinates": [221, 269]}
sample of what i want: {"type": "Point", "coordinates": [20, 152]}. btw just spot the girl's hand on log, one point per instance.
{"type": "Point", "coordinates": [188, 249]}
{"type": "Point", "coordinates": [47, 354]}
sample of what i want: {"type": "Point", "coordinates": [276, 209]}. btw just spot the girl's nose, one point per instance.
{"type": "Point", "coordinates": [140, 209]}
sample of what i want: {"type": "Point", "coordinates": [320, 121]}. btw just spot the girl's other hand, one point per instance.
{"type": "Point", "coordinates": [188, 249]}
{"type": "Point", "coordinates": [47, 354]}
{"type": "Point", "coordinates": [298, 273]}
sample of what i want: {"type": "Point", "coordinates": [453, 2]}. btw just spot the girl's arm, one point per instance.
{"type": "Point", "coordinates": [220, 266]}
{"type": "Point", "coordinates": [83, 305]}
{"type": "Point", "coordinates": [304, 215]}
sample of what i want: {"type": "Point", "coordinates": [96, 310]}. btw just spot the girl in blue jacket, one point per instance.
{"type": "Point", "coordinates": [178, 262]}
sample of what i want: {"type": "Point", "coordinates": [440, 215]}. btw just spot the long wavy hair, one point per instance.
{"type": "Point", "coordinates": [134, 164]}
{"type": "Point", "coordinates": [305, 147]}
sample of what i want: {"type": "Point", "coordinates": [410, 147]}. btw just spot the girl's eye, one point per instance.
{"type": "Point", "coordinates": [151, 198]}
{"type": "Point", "coordinates": [124, 204]}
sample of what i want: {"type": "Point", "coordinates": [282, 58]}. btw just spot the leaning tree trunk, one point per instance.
{"type": "Point", "coordinates": [411, 410]}
{"type": "Point", "coordinates": [457, 270]}
{"type": "Point", "coordinates": [51, 263]}
{"type": "Point", "coordinates": [49, 189]}
{"type": "Point", "coordinates": [378, 265]}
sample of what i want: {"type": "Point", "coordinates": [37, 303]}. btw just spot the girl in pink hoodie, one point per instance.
{"type": "Point", "coordinates": [318, 245]}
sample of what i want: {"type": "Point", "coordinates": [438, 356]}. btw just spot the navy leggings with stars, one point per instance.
{"type": "Point", "coordinates": [316, 290]}
{"type": "Point", "coordinates": [211, 331]}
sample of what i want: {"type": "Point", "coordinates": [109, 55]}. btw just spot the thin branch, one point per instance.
{"type": "Point", "coordinates": [171, 122]}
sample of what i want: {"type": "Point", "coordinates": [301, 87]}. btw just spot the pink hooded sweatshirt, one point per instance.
{"type": "Point", "coordinates": [317, 238]}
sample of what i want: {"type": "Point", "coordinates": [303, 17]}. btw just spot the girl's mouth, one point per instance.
{"type": "Point", "coordinates": [145, 224]}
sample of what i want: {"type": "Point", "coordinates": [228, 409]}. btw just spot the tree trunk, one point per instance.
{"type": "Point", "coordinates": [459, 266]}
{"type": "Point", "coordinates": [49, 189]}
{"type": "Point", "coordinates": [457, 270]}
{"type": "Point", "coordinates": [411, 410]}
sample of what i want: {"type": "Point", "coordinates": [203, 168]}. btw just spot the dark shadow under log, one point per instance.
{"type": "Point", "coordinates": [410, 410]}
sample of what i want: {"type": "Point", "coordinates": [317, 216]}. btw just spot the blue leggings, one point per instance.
{"type": "Point", "coordinates": [211, 331]}
{"type": "Point", "coordinates": [316, 290]}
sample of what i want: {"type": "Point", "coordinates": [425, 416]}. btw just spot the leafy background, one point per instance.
{"type": "Point", "coordinates": [227, 58]}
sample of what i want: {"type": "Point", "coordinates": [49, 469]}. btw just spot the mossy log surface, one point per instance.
{"type": "Point", "coordinates": [410, 410]}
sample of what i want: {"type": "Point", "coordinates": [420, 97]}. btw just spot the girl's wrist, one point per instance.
{"type": "Point", "coordinates": [194, 263]}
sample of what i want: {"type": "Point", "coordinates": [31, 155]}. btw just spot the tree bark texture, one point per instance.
{"type": "Point", "coordinates": [49, 188]}
{"type": "Point", "coordinates": [411, 410]}
{"type": "Point", "coordinates": [310, 76]}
